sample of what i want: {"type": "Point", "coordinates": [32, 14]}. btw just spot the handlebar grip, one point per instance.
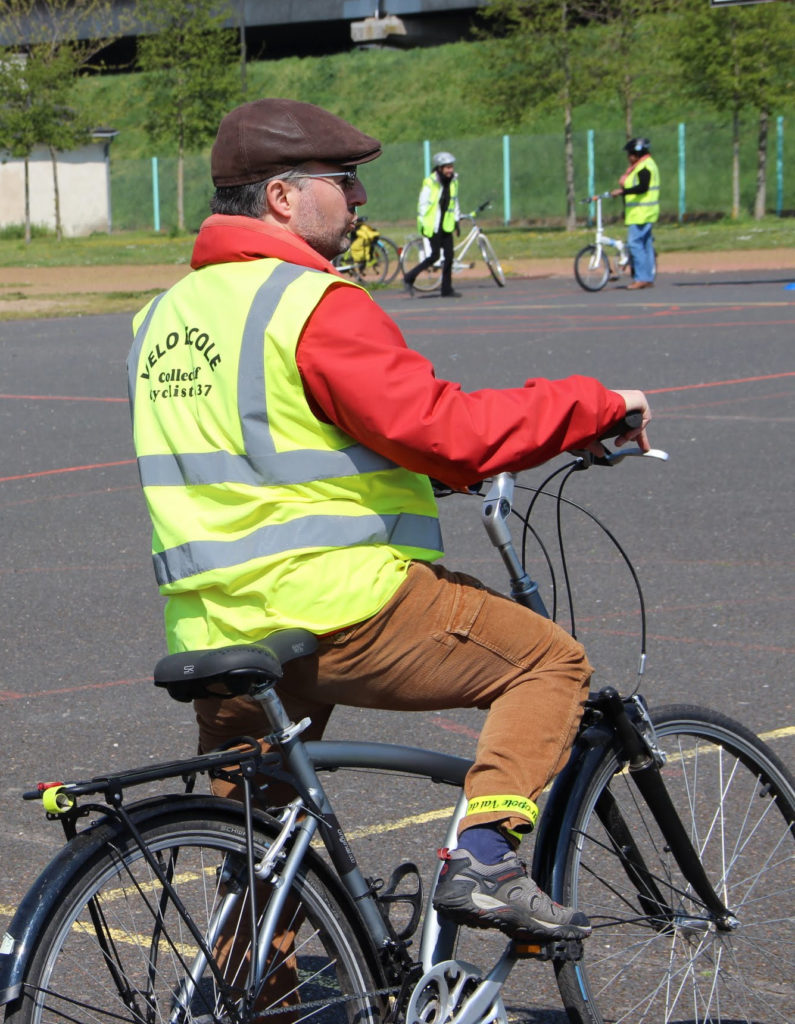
{"type": "Point", "coordinates": [632, 421]}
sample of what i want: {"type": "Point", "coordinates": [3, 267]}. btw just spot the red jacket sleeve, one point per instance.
{"type": "Point", "coordinates": [359, 374]}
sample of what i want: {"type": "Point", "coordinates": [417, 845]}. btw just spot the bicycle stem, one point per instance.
{"type": "Point", "coordinates": [497, 507]}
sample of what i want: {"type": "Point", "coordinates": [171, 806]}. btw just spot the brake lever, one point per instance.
{"type": "Point", "coordinates": [587, 459]}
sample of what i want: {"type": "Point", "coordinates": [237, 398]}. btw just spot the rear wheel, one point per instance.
{"type": "Point", "coordinates": [414, 252]}
{"type": "Point", "coordinates": [488, 254]}
{"type": "Point", "coordinates": [373, 269]}
{"type": "Point", "coordinates": [393, 253]}
{"type": "Point", "coordinates": [119, 948]}
{"type": "Point", "coordinates": [656, 954]}
{"type": "Point", "coordinates": [591, 268]}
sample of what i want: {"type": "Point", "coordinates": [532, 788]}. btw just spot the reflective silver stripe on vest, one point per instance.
{"type": "Point", "coordinates": [311, 532]}
{"type": "Point", "coordinates": [275, 469]}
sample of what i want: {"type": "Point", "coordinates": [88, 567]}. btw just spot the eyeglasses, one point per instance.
{"type": "Point", "coordinates": [349, 178]}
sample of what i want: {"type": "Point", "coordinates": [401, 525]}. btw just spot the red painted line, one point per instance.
{"type": "Point", "coordinates": [64, 398]}
{"type": "Point", "coordinates": [6, 695]}
{"type": "Point", "coordinates": [721, 383]}
{"type": "Point", "coordinates": [67, 469]}
{"type": "Point", "coordinates": [451, 726]}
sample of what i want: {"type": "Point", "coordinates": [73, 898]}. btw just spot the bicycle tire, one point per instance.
{"type": "Point", "coordinates": [373, 271]}
{"type": "Point", "coordinates": [592, 268]}
{"type": "Point", "coordinates": [328, 967]}
{"type": "Point", "coordinates": [413, 254]}
{"type": "Point", "coordinates": [370, 271]}
{"type": "Point", "coordinates": [736, 800]}
{"type": "Point", "coordinates": [489, 255]}
{"type": "Point", "coordinates": [393, 254]}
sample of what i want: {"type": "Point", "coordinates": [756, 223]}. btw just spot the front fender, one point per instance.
{"type": "Point", "coordinates": [47, 892]}
{"type": "Point", "coordinates": [562, 803]}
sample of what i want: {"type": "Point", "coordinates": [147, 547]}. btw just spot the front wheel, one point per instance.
{"type": "Point", "coordinates": [592, 268]}
{"type": "Point", "coordinates": [655, 953]}
{"type": "Point", "coordinates": [414, 252]}
{"type": "Point", "coordinates": [119, 946]}
{"type": "Point", "coordinates": [488, 254]}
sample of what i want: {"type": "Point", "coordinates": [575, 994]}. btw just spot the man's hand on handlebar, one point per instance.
{"type": "Point", "coordinates": [635, 402]}
{"type": "Point", "coordinates": [632, 428]}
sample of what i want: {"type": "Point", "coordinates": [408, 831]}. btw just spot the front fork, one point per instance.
{"type": "Point", "coordinates": [638, 746]}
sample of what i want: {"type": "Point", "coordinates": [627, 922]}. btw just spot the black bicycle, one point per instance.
{"type": "Point", "coordinates": [672, 829]}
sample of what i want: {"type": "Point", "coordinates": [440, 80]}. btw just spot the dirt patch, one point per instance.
{"type": "Point", "coordinates": [72, 291]}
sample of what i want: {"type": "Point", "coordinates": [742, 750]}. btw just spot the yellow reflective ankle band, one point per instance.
{"type": "Point", "coordinates": [504, 803]}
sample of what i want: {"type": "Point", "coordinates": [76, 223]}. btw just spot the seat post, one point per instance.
{"type": "Point", "coordinates": [265, 694]}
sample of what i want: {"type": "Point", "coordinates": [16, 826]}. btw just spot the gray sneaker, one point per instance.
{"type": "Point", "coordinates": [502, 896]}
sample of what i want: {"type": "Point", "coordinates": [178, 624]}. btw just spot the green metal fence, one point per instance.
{"type": "Point", "coordinates": [523, 175]}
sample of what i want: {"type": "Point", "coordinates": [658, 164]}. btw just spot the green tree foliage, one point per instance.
{"type": "Point", "coordinates": [190, 78]}
{"type": "Point", "coordinates": [541, 46]}
{"type": "Point", "coordinates": [735, 59]}
{"type": "Point", "coordinates": [39, 64]}
{"type": "Point", "coordinates": [620, 52]}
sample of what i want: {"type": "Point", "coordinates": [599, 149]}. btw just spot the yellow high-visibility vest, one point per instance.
{"type": "Point", "coordinates": [428, 223]}
{"type": "Point", "coordinates": [645, 208]}
{"type": "Point", "coordinates": [263, 515]}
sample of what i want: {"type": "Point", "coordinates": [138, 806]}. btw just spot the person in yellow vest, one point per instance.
{"type": "Point", "coordinates": [438, 216]}
{"type": "Point", "coordinates": [640, 187]}
{"type": "Point", "coordinates": [286, 435]}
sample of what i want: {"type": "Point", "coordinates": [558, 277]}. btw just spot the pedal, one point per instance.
{"type": "Point", "coordinates": [559, 949]}
{"type": "Point", "coordinates": [391, 901]}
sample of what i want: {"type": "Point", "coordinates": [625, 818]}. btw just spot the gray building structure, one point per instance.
{"type": "Point", "coordinates": [279, 28]}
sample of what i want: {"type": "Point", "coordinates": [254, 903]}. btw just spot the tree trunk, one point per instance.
{"type": "Point", "coordinates": [568, 154]}
{"type": "Point", "coordinates": [736, 163]}
{"type": "Point", "coordinates": [243, 55]}
{"type": "Point", "coordinates": [27, 201]}
{"type": "Point", "coordinates": [628, 105]}
{"type": "Point", "coordinates": [181, 188]}
{"type": "Point", "coordinates": [760, 200]}
{"type": "Point", "coordinates": [568, 134]}
{"type": "Point", "coordinates": [56, 194]}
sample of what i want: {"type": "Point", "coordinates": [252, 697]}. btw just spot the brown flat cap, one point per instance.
{"type": "Point", "coordinates": [267, 137]}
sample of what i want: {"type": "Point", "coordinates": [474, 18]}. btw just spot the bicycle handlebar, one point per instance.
{"type": "Point", "coordinates": [477, 210]}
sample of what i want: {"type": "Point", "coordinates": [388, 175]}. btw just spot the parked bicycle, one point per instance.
{"type": "Point", "coordinates": [672, 829]}
{"type": "Point", "coordinates": [371, 259]}
{"type": "Point", "coordinates": [592, 265]}
{"type": "Point", "coordinates": [418, 248]}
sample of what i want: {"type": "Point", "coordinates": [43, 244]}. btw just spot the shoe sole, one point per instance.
{"type": "Point", "coordinates": [488, 919]}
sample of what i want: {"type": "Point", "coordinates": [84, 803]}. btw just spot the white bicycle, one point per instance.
{"type": "Point", "coordinates": [419, 247]}
{"type": "Point", "coordinates": [592, 265]}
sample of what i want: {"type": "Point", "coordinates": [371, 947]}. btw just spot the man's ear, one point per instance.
{"type": "Point", "coordinates": [280, 199]}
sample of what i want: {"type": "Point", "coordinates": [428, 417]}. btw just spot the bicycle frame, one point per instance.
{"type": "Point", "coordinates": [460, 249]}
{"type": "Point", "coordinates": [602, 239]}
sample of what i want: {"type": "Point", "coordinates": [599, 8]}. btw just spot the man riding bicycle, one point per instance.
{"type": "Point", "coordinates": [285, 436]}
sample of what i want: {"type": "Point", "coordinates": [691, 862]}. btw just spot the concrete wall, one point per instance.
{"type": "Point", "coordinates": [83, 185]}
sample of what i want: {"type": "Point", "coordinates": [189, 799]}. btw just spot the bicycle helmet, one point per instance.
{"type": "Point", "coordinates": [638, 145]}
{"type": "Point", "coordinates": [440, 159]}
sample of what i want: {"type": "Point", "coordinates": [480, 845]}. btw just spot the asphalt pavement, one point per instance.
{"type": "Point", "coordinates": [709, 532]}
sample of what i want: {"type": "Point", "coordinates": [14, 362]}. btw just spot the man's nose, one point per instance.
{"type": "Point", "coordinates": [359, 194]}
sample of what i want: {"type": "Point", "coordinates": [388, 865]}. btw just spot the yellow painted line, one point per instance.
{"type": "Point", "coordinates": [141, 941]}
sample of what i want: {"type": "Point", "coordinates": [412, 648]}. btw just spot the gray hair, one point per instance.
{"type": "Point", "coordinates": [249, 200]}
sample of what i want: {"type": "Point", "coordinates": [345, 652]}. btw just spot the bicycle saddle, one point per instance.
{"type": "Point", "coordinates": [231, 671]}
